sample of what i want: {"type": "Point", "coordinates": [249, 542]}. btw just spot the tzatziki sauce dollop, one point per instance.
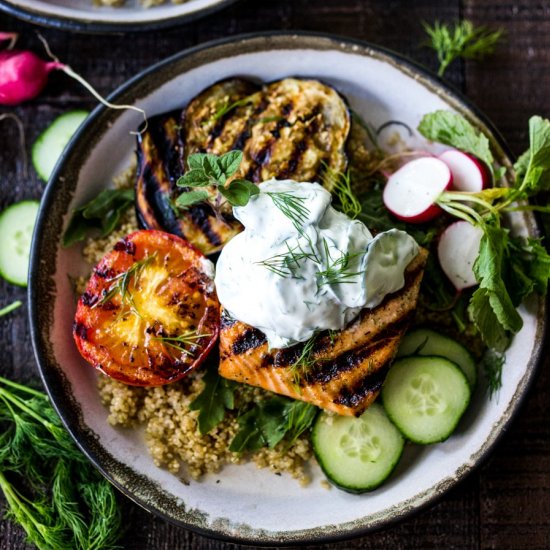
{"type": "Point", "coordinates": [300, 266]}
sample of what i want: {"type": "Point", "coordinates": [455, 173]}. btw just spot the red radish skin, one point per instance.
{"type": "Point", "coordinates": [411, 192]}
{"type": "Point", "coordinates": [23, 76]}
{"type": "Point", "coordinates": [457, 250]}
{"type": "Point", "coordinates": [469, 173]}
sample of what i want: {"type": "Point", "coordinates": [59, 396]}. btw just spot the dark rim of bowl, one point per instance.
{"type": "Point", "coordinates": [55, 385]}
{"type": "Point", "coordinates": [91, 26]}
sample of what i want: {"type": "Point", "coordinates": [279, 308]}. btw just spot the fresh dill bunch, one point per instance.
{"type": "Point", "coordinates": [51, 488]}
{"type": "Point", "coordinates": [491, 365]}
{"type": "Point", "coordinates": [461, 40]}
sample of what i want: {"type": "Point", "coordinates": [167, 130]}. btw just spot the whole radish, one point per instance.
{"type": "Point", "coordinates": [23, 76]}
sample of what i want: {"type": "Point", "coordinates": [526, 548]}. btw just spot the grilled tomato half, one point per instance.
{"type": "Point", "coordinates": [150, 314]}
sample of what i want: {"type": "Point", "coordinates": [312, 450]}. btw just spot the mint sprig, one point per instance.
{"type": "Point", "coordinates": [208, 170]}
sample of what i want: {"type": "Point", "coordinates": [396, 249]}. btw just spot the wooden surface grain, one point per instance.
{"type": "Point", "coordinates": [505, 503]}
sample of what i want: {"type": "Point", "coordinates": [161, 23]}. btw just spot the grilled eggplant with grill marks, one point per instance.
{"type": "Point", "coordinates": [288, 129]}
{"type": "Point", "coordinates": [344, 371]}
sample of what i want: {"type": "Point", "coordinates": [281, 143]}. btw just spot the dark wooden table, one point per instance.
{"type": "Point", "coordinates": [506, 502]}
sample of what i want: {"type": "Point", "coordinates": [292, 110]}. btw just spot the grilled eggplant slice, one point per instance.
{"type": "Point", "coordinates": [288, 129]}
{"type": "Point", "coordinates": [345, 370]}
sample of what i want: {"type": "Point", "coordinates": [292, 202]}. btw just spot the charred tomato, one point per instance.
{"type": "Point", "coordinates": [149, 314]}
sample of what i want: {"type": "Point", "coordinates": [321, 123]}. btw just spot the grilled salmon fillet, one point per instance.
{"type": "Point", "coordinates": [288, 129]}
{"type": "Point", "coordinates": [345, 369]}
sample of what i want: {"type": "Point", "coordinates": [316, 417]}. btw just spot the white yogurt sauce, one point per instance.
{"type": "Point", "coordinates": [311, 269]}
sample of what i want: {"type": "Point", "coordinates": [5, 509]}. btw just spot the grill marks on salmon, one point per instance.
{"type": "Point", "coordinates": [346, 369]}
{"type": "Point", "coordinates": [288, 129]}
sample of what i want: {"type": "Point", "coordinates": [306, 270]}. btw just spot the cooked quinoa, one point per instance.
{"type": "Point", "coordinates": [172, 434]}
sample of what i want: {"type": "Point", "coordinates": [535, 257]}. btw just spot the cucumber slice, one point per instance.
{"type": "Point", "coordinates": [423, 341]}
{"type": "Point", "coordinates": [425, 397]}
{"type": "Point", "coordinates": [357, 454]}
{"type": "Point", "coordinates": [50, 143]}
{"type": "Point", "coordinates": [16, 227]}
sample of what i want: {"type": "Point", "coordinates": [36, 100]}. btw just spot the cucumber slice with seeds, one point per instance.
{"type": "Point", "coordinates": [52, 141]}
{"type": "Point", "coordinates": [424, 341]}
{"type": "Point", "coordinates": [16, 228]}
{"type": "Point", "coordinates": [425, 397]}
{"type": "Point", "coordinates": [357, 454]}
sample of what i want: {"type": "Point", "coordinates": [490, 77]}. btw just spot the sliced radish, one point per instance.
{"type": "Point", "coordinates": [469, 173]}
{"type": "Point", "coordinates": [411, 192]}
{"type": "Point", "coordinates": [457, 251]}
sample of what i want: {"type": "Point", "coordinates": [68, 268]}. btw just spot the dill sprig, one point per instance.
{"type": "Point", "coordinates": [301, 367]}
{"type": "Point", "coordinates": [292, 206]}
{"type": "Point", "coordinates": [187, 338]}
{"type": "Point", "coordinates": [461, 40]}
{"type": "Point", "coordinates": [491, 364]}
{"type": "Point", "coordinates": [51, 488]}
{"type": "Point", "coordinates": [286, 264]}
{"type": "Point", "coordinates": [338, 269]}
{"type": "Point", "coordinates": [339, 184]}
{"type": "Point", "coordinates": [120, 284]}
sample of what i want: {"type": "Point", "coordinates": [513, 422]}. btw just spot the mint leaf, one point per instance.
{"type": "Point", "coordinates": [212, 169]}
{"type": "Point", "coordinates": [189, 198]}
{"type": "Point", "coordinates": [454, 130]}
{"type": "Point", "coordinates": [230, 162]}
{"type": "Point", "coordinates": [238, 192]}
{"type": "Point", "coordinates": [194, 178]}
{"type": "Point", "coordinates": [102, 213]}
{"type": "Point", "coordinates": [195, 161]}
{"type": "Point", "coordinates": [215, 398]}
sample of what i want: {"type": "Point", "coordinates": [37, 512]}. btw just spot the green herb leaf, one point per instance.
{"type": "Point", "coordinates": [238, 192]}
{"type": "Point", "coordinates": [102, 213]}
{"type": "Point", "coordinates": [454, 130]}
{"type": "Point", "coordinates": [189, 198]}
{"type": "Point", "coordinates": [533, 167]}
{"type": "Point", "coordinates": [463, 40]}
{"type": "Point", "coordinates": [491, 365]}
{"type": "Point", "coordinates": [194, 178]}
{"type": "Point", "coordinates": [215, 398]}
{"type": "Point", "coordinates": [229, 162]}
{"type": "Point", "coordinates": [10, 307]}
{"type": "Point", "coordinates": [491, 307]}
{"type": "Point", "coordinates": [269, 421]}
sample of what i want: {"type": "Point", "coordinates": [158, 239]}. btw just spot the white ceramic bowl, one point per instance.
{"type": "Point", "coordinates": [243, 503]}
{"type": "Point", "coordinates": [83, 15]}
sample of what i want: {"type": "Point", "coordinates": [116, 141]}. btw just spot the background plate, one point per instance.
{"type": "Point", "coordinates": [82, 15]}
{"type": "Point", "coordinates": [247, 504]}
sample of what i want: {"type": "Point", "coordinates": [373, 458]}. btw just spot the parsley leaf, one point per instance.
{"type": "Point", "coordinates": [102, 213]}
{"type": "Point", "coordinates": [533, 167]}
{"type": "Point", "coordinates": [215, 398]}
{"type": "Point", "coordinates": [463, 40]}
{"type": "Point", "coordinates": [454, 130]}
{"type": "Point", "coordinates": [269, 421]}
{"type": "Point", "coordinates": [491, 307]}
